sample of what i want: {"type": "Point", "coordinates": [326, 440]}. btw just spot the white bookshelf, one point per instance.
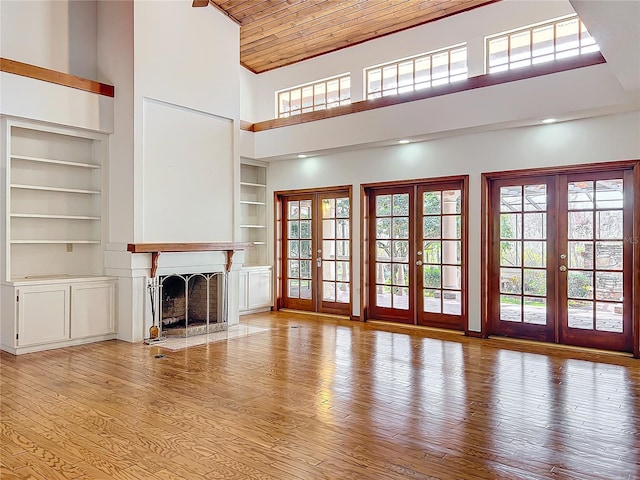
{"type": "Point", "coordinates": [256, 274]}
{"type": "Point", "coordinates": [54, 293]}
{"type": "Point", "coordinates": [54, 182]}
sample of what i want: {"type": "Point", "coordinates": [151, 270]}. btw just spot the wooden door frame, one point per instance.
{"type": "Point", "coordinates": [279, 266]}
{"type": "Point", "coordinates": [365, 241]}
{"type": "Point", "coordinates": [487, 237]}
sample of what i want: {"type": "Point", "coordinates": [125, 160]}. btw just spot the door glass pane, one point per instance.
{"type": "Point", "coordinates": [535, 282]}
{"type": "Point", "coordinates": [432, 252]}
{"type": "Point", "coordinates": [401, 298]}
{"type": "Point", "coordinates": [431, 302]}
{"type": "Point", "coordinates": [328, 270]}
{"type": "Point", "coordinates": [432, 276]}
{"type": "Point", "coordinates": [305, 249]}
{"type": "Point", "coordinates": [328, 250]}
{"type": "Point", "coordinates": [580, 284]}
{"type": "Point", "coordinates": [580, 314]}
{"type": "Point", "coordinates": [452, 252]}
{"type": "Point", "coordinates": [511, 199]}
{"type": "Point", "coordinates": [328, 291]}
{"type": "Point", "coordinates": [342, 292]}
{"type": "Point", "coordinates": [451, 277]}
{"type": "Point", "coordinates": [535, 254]}
{"type": "Point", "coordinates": [451, 201]}
{"type": "Point", "coordinates": [511, 308]}
{"type": "Point", "coordinates": [580, 225]}
{"type": "Point", "coordinates": [342, 271]}
{"type": "Point", "coordinates": [609, 255]}
{"type": "Point", "coordinates": [609, 225]}
{"type": "Point", "coordinates": [510, 280]}
{"type": "Point", "coordinates": [400, 227]}
{"type": "Point", "coordinates": [431, 227]}
{"type": "Point", "coordinates": [383, 205]}
{"type": "Point", "coordinates": [511, 225]}
{"type": "Point", "coordinates": [609, 194]}
{"type": "Point", "coordinates": [535, 198]}
{"type": "Point", "coordinates": [452, 303]}
{"type": "Point", "coordinates": [609, 286]}
{"type": "Point", "coordinates": [609, 317]}
{"type": "Point", "coordinates": [383, 250]}
{"type": "Point", "coordinates": [401, 204]}
{"type": "Point", "coordinates": [581, 255]}
{"type": "Point", "coordinates": [431, 203]}
{"type": "Point", "coordinates": [343, 208]}
{"type": "Point", "coordinates": [305, 289]}
{"type": "Point", "coordinates": [294, 289]}
{"type": "Point", "coordinates": [450, 226]}
{"type": "Point", "coordinates": [535, 310]}
{"type": "Point", "coordinates": [328, 208]}
{"type": "Point", "coordinates": [305, 209]}
{"type": "Point", "coordinates": [305, 228]}
{"type": "Point", "coordinates": [510, 254]}
{"type": "Point", "coordinates": [580, 195]}
{"type": "Point", "coordinates": [401, 274]}
{"type": "Point", "coordinates": [400, 250]}
{"type": "Point", "coordinates": [535, 226]}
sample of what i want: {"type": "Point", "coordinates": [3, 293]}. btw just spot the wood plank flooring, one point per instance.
{"type": "Point", "coordinates": [317, 398]}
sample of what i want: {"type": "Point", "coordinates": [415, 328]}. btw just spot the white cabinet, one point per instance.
{"type": "Point", "coordinates": [43, 314]}
{"type": "Point", "coordinates": [255, 289]}
{"type": "Point", "coordinates": [55, 313]}
{"type": "Point", "coordinates": [92, 309]}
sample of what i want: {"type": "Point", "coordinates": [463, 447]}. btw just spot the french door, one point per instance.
{"type": "Point", "coordinates": [561, 259]}
{"type": "Point", "coordinates": [315, 246]}
{"type": "Point", "coordinates": [416, 254]}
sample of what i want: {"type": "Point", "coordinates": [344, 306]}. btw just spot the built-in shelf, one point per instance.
{"type": "Point", "coordinates": [55, 189]}
{"type": "Point", "coordinates": [249, 202]}
{"type": "Point", "coordinates": [250, 184]}
{"type": "Point", "coordinates": [55, 162]}
{"type": "Point", "coordinates": [64, 217]}
{"type": "Point", "coordinates": [54, 241]}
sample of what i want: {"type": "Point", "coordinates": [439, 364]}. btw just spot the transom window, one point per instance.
{"type": "Point", "coordinates": [415, 73]}
{"type": "Point", "coordinates": [314, 96]}
{"type": "Point", "coordinates": [553, 40]}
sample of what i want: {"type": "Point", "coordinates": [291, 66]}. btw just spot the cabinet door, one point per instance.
{"type": "Point", "coordinates": [259, 289]}
{"type": "Point", "coordinates": [92, 309]}
{"type": "Point", "coordinates": [242, 292]}
{"type": "Point", "coordinates": [43, 314]}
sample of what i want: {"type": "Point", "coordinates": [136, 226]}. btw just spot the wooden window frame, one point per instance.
{"type": "Point", "coordinates": [487, 239]}
{"type": "Point", "coordinates": [370, 95]}
{"type": "Point", "coordinates": [530, 29]}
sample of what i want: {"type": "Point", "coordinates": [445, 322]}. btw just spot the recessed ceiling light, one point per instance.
{"type": "Point", "coordinates": [402, 142]}
{"type": "Point", "coordinates": [549, 120]}
{"type": "Point", "coordinates": [302, 155]}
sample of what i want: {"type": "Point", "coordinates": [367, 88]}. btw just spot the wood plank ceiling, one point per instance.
{"type": "Point", "coordinates": [275, 33]}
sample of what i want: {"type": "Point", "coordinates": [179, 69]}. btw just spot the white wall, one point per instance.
{"type": "Point", "coordinates": [470, 27]}
{"type": "Point", "coordinates": [59, 35]}
{"type": "Point", "coordinates": [591, 140]}
{"type": "Point", "coordinates": [175, 152]}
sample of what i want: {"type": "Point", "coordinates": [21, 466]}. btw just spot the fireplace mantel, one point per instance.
{"type": "Point", "coordinates": [155, 249]}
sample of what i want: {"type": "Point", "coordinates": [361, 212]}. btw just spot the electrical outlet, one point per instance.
{"type": "Point", "coordinates": [69, 247]}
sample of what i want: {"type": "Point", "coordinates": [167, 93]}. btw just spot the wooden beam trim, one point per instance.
{"type": "Point", "coordinates": [481, 81]}
{"type": "Point", "coordinates": [187, 247]}
{"type": "Point", "coordinates": [53, 76]}
{"type": "Point", "coordinates": [248, 126]}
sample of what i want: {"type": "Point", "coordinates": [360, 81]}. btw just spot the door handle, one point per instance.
{"type": "Point", "coordinates": [419, 263]}
{"type": "Point", "coordinates": [563, 268]}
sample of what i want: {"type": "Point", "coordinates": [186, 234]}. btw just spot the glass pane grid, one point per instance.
{"type": "Point", "coordinates": [522, 246]}
{"type": "Point", "coordinates": [441, 253]}
{"type": "Point", "coordinates": [420, 72]}
{"type": "Point", "coordinates": [562, 38]}
{"type": "Point", "coordinates": [314, 96]}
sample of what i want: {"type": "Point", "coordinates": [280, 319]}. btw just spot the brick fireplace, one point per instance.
{"type": "Point", "coordinates": [192, 304]}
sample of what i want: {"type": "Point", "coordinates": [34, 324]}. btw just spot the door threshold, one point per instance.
{"type": "Point", "coordinates": [316, 314]}
{"type": "Point", "coordinates": [417, 327]}
{"type": "Point", "coordinates": [560, 346]}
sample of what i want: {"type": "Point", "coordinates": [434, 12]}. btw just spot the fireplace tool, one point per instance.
{"type": "Point", "coordinates": [154, 331]}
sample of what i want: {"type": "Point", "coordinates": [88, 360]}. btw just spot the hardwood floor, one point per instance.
{"type": "Point", "coordinates": [316, 398]}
